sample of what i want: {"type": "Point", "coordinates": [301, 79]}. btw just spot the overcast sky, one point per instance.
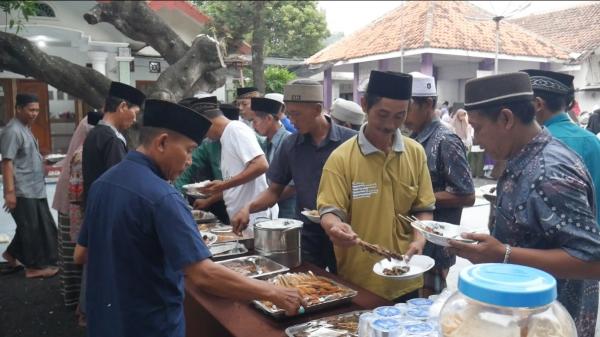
{"type": "Point", "coordinates": [348, 16]}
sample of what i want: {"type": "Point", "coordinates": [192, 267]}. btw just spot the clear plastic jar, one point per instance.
{"type": "Point", "coordinates": [504, 300]}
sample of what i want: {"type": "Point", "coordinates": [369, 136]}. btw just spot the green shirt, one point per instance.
{"type": "Point", "coordinates": [206, 156]}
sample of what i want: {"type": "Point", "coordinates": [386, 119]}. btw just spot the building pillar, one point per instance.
{"type": "Point", "coordinates": [427, 64]}
{"type": "Point", "coordinates": [124, 70]}
{"type": "Point", "coordinates": [545, 66]}
{"type": "Point", "coordinates": [356, 82]}
{"type": "Point", "coordinates": [98, 59]}
{"type": "Point", "coordinates": [327, 88]}
{"type": "Point", "coordinates": [436, 71]}
{"type": "Point", "coordinates": [383, 65]}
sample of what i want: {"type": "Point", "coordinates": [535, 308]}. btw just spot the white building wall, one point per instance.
{"type": "Point", "coordinates": [587, 75]}
{"type": "Point", "coordinates": [142, 69]}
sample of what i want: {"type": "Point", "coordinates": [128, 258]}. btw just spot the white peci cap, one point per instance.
{"type": "Point", "coordinates": [423, 85]}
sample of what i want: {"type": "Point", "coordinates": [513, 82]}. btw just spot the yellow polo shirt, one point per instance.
{"type": "Point", "coordinates": [367, 189]}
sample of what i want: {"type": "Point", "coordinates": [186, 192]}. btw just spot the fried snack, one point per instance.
{"type": "Point", "coordinates": [396, 270]}
{"type": "Point", "coordinates": [378, 250]}
{"type": "Point", "coordinates": [314, 289]}
{"type": "Point", "coordinates": [313, 212]}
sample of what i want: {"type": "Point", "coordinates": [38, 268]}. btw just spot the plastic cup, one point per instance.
{"type": "Point", "coordinates": [386, 327]}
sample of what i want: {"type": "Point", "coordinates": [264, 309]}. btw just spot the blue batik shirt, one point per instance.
{"type": "Point", "coordinates": [583, 142]}
{"type": "Point", "coordinates": [448, 166]}
{"type": "Point", "coordinates": [140, 235]}
{"type": "Point", "coordinates": [546, 201]}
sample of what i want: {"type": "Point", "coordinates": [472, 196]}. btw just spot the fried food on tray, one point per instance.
{"type": "Point", "coordinates": [243, 267]}
{"type": "Point", "coordinates": [314, 289]}
{"type": "Point", "coordinates": [343, 325]}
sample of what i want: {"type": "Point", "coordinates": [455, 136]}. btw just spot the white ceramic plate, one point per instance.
{"type": "Point", "coordinates": [192, 190]}
{"type": "Point", "coordinates": [418, 265]}
{"type": "Point", "coordinates": [211, 238]}
{"type": "Point", "coordinates": [488, 189]}
{"type": "Point", "coordinates": [202, 216]}
{"type": "Point", "coordinates": [448, 232]}
{"type": "Point", "coordinates": [312, 218]}
{"type": "Point", "coordinates": [220, 229]}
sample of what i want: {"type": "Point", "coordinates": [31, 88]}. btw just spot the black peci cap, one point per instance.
{"type": "Point", "coordinates": [266, 105]}
{"type": "Point", "coordinates": [497, 89]}
{"type": "Point", "coordinates": [390, 84]}
{"type": "Point", "coordinates": [126, 92]}
{"type": "Point", "coordinates": [175, 117]}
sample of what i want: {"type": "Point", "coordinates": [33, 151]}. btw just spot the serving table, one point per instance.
{"type": "Point", "coordinates": [212, 316]}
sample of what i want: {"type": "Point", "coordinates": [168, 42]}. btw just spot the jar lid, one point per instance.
{"type": "Point", "coordinates": [507, 285]}
{"type": "Point", "coordinates": [279, 224]}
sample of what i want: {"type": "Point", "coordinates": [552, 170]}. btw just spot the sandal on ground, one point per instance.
{"type": "Point", "coordinates": [41, 273]}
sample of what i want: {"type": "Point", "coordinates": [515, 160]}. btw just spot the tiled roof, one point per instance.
{"type": "Point", "coordinates": [576, 28]}
{"type": "Point", "coordinates": [438, 24]}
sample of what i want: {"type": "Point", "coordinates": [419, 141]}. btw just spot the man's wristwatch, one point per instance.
{"type": "Point", "coordinates": [507, 251]}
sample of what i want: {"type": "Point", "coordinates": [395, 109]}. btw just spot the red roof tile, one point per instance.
{"type": "Point", "coordinates": [576, 28]}
{"type": "Point", "coordinates": [437, 24]}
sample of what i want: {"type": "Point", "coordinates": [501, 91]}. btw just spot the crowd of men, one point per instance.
{"type": "Point", "coordinates": [279, 154]}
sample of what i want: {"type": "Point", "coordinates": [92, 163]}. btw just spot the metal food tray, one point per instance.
{"type": "Point", "coordinates": [347, 298]}
{"type": "Point", "coordinates": [243, 250]}
{"type": "Point", "coordinates": [306, 329]}
{"type": "Point", "coordinates": [268, 266]}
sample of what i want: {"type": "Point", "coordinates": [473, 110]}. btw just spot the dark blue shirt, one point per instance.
{"type": "Point", "coordinates": [448, 166]}
{"type": "Point", "coordinates": [140, 235]}
{"type": "Point", "coordinates": [300, 160]}
{"type": "Point", "coordinates": [546, 201]}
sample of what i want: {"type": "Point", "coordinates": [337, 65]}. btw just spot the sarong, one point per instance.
{"type": "Point", "coordinates": [70, 273]}
{"type": "Point", "coordinates": [35, 243]}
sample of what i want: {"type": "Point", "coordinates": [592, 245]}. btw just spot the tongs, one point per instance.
{"type": "Point", "coordinates": [378, 250]}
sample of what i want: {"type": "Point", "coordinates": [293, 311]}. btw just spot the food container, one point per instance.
{"type": "Point", "coordinates": [316, 301]}
{"type": "Point", "coordinates": [505, 300]}
{"type": "Point", "coordinates": [279, 240]}
{"type": "Point", "coordinates": [254, 266]}
{"type": "Point", "coordinates": [227, 250]}
{"type": "Point", "coordinates": [346, 324]}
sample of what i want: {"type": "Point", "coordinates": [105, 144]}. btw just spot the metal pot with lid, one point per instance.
{"type": "Point", "coordinates": [279, 240]}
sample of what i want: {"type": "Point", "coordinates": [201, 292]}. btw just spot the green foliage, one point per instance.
{"type": "Point", "coordinates": [276, 78]}
{"type": "Point", "coordinates": [293, 28]}
{"type": "Point", "coordinates": [18, 11]}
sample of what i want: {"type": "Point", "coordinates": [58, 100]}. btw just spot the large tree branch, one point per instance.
{"type": "Point", "coordinates": [201, 68]}
{"type": "Point", "coordinates": [139, 22]}
{"type": "Point", "coordinates": [22, 57]}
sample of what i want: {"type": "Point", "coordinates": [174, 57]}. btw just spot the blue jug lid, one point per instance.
{"type": "Point", "coordinates": [507, 285]}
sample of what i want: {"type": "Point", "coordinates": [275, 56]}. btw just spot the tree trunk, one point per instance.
{"type": "Point", "coordinates": [259, 37]}
{"type": "Point", "coordinates": [200, 68]}
{"type": "Point", "coordinates": [139, 22]}
{"type": "Point", "coordinates": [22, 57]}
